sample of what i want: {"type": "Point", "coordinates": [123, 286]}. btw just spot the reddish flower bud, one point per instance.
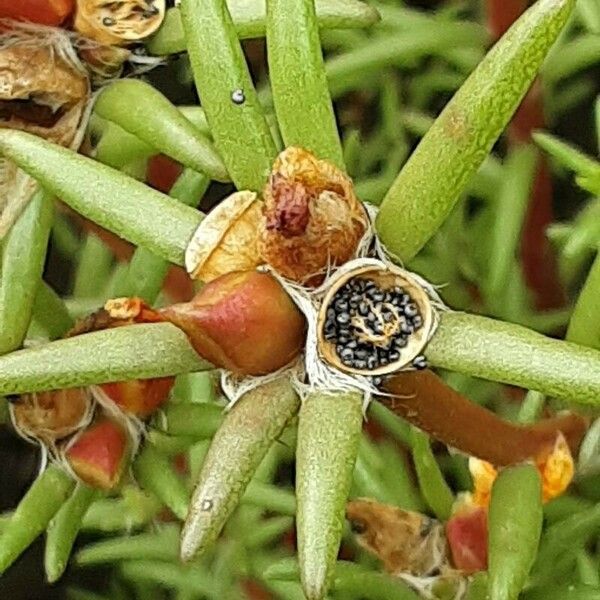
{"type": "Point", "coordinates": [99, 455]}
{"type": "Point", "coordinates": [140, 397]}
{"type": "Point", "coordinates": [242, 321]}
{"type": "Point", "coordinates": [467, 534]}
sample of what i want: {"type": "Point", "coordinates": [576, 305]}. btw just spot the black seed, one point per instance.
{"type": "Point", "coordinates": [361, 354]}
{"type": "Point", "coordinates": [419, 362]}
{"type": "Point", "coordinates": [377, 381]}
{"type": "Point", "coordinates": [342, 339]}
{"type": "Point", "coordinates": [388, 316]}
{"type": "Point", "coordinates": [400, 342]}
{"type": "Point", "coordinates": [406, 328]}
{"type": "Point", "coordinates": [360, 364]}
{"type": "Point", "coordinates": [341, 305]}
{"type": "Point", "coordinates": [352, 344]}
{"type": "Point", "coordinates": [354, 300]}
{"type": "Point", "coordinates": [394, 356]}
{"type": "Point", "coordinates": [330, 313]}
{"type": "Point", "coordinates": [410, 310]}
{"type": "Point", "coordinates": [371, 318]}
{"type": "Point", "coordinates": [372, 362]}
{"type": "Point", "coordinates": [363, 309]}
{"type": "Point", "coordinates": [378, 296]}
{"type": "Point", "coordinates": [346, 354]}
{"type": "Point", "coordinates": [384, 360]}
{"type": "Point", "coordinates": [417, 321]}
{"type": "Point", "coordinates": [405, 299]}
{"type": "Point", "coordinates": [343, 318]}
{"type": "Point", "coordinates": [378, 327]}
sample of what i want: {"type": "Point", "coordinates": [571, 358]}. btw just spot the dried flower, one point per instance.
{"type": "Point", "coordinates": [118, 23]}
{"type": "Point", "coordinates": [50, 416]}
{"type": "Point", "coordinates": [555, 465]}
{"type": "Point", "coordinates": [243, 321]}
{"type": "Point", "coordinates": [407, 542]}
{"type": "Point", "coordinates": [44, 90]}
{"type": "Point", "coordinates": [374, 319]}
{"type": "Point", "coordinates": [227, 239]}
{"type": "Point", "coordinates": [313, 219]}
{"type": "Point", "coordinates": [99, 454]}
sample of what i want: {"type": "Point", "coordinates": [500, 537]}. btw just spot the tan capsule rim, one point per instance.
{"type": "Point", "coordinates": [386, 276]}
{"type": "Point", "coordinates": [213, 228]}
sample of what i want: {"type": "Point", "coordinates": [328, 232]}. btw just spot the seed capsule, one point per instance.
{"type": "Point", "coordinates": [376, 326]}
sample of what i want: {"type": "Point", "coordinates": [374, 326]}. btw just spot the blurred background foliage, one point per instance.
{"type": "Point", "coordinates": [517, 246]}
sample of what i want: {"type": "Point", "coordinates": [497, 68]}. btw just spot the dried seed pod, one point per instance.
{"type": "Point", "coordinates": [118, 23]}
{"type": "Point", "coordinates": [226, 239]}
{"type": "Point", "coordinates": [44, 89]}
{"type": "Point", "coordinates": [375, 319]}
{"type": "Point", "coordinates": [407, 542]}
{"type": "Point", "coordinates": [313, 219]}
{"type": "Point", "coordinates": [47, 417]}
{"type": "Point", "coordinates": [99, 454]}
{"type": "Point", "coordinates": [244, 322]}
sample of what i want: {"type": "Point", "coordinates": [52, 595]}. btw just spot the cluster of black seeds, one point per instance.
{"type": "Point", "coordinates": [370, 326]}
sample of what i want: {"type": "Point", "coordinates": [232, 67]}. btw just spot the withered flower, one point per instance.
{"type": "Point", "coordinates": [53, 415]}
{"type": "Point", "coordinates": [467, 534]}
{"type": "Point", "coordinates": [44, 90]}
{"type": "Point", "coordinates": [226, 239]}
{"type": "Point", "coordinates": [406, 542]}
{"type": "Point", "coordinates": [313, 219]}
{"type": "Point", "coordinates": [118, 23]}
{"type": "Point", "coordinates": [243, 321]}
{"type": "Point", "coordinates": [98, 455]}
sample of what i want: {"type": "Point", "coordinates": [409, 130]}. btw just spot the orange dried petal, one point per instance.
{"type": "Point", "coordinates": [556, 468]}
{"type": "Point", "coordinates": [484, 474]}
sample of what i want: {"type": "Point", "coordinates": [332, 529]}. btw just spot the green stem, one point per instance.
{"type": "Point", "coordinates": [584, 326]}
{"type": "Point", "coordinates": [143, 111]}
{"type": "Point", "coordinates": [155, 473]}
{"type": "Point", "coordinates": [249, 21]}
{"type": "Point", "coordinates": [199, 421]}
{"type": "Point", "coordinates": [241, 133]}
{"type": "Point", "coordinates": [489, 349]}
{"type": "Point", "coordinates": [305, 113]}
{"type": "Point", "coordinates": [45, 496]}
{"type": "Point", "coordinates": [51, 313]}
{"type": "Point", "coordinates": [328, 434]}
{"type": "Point", "coordinates": [111, 199]}
{"type": "Point", "coordinates": [162, 545]}
{"type": "Point", "coordinates": [94, 267]}
{"type": "Point", "coordinates": [240, 444]}
{"type": "Point", "coordinates": [23, 257]}
{"type": "Point", "coordinates": [63, 530]}
{"type": "Point", "coordinates": [436, 174]}
{"type": "Point", "coordinates": [117, 354]}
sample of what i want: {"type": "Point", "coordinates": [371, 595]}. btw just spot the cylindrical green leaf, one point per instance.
{"type": "Point", "coordinates": [127, 207]}
{"type": "Point", "coordinates": [51, 313]}
{"type": "Point", "coordinates": [249, 21]}
{"type": "Point", "coordinates": [515, 524]}
{"type": "Point", "coordinates": [433, 486]}
{"type": "Point", "coordinates": [490, 349]}
{"type": "Point", "coordinates": [23, 257]}
{"type": "Point", "coordinates": [45, 496]}
{"type": "Point", "coordinates": [249, 429]}
{"type": "Point", "coordinates": [63, 530]}
{"type": "Point", "coordinates": [328, 434]}
{"type": "Point", "coordinates": [162, 545]}
{"type": "Point", "coordinates": [298, 81]}
{"type": "Point", "coordinates": [142, 110]}
{"type": "Point", "coordinates": [584, 325]}
{"type": "Point", "coordinates": [155, 474]}
{"type": "Point", "coordinates": [118, 354]}
{"type": "Point", "coordinates": [199, 421]}
{"type": "Point", "coordinates": [227, 93]}
{"type": "Point", "coordinates": [452, 150]}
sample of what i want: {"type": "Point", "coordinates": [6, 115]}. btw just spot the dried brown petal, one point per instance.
{"type": "Point", "coordinates": [406, 542]}
{"type": "Point", "coordinates": [44, 90]}
{"type": "Point", "coordinates": [118, 23]}
{"type": "Point", "coordinates": [227, 239]}
{"type": "Point", "coordinates": [53, 415]}
{"type": "Point", "coordinates": [313, 219]}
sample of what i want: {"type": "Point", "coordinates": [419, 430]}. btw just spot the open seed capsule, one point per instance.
{"type": "Point", "coordinates": [118, 23]}
{"type": "Point", "coordinates": [374, 320]}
